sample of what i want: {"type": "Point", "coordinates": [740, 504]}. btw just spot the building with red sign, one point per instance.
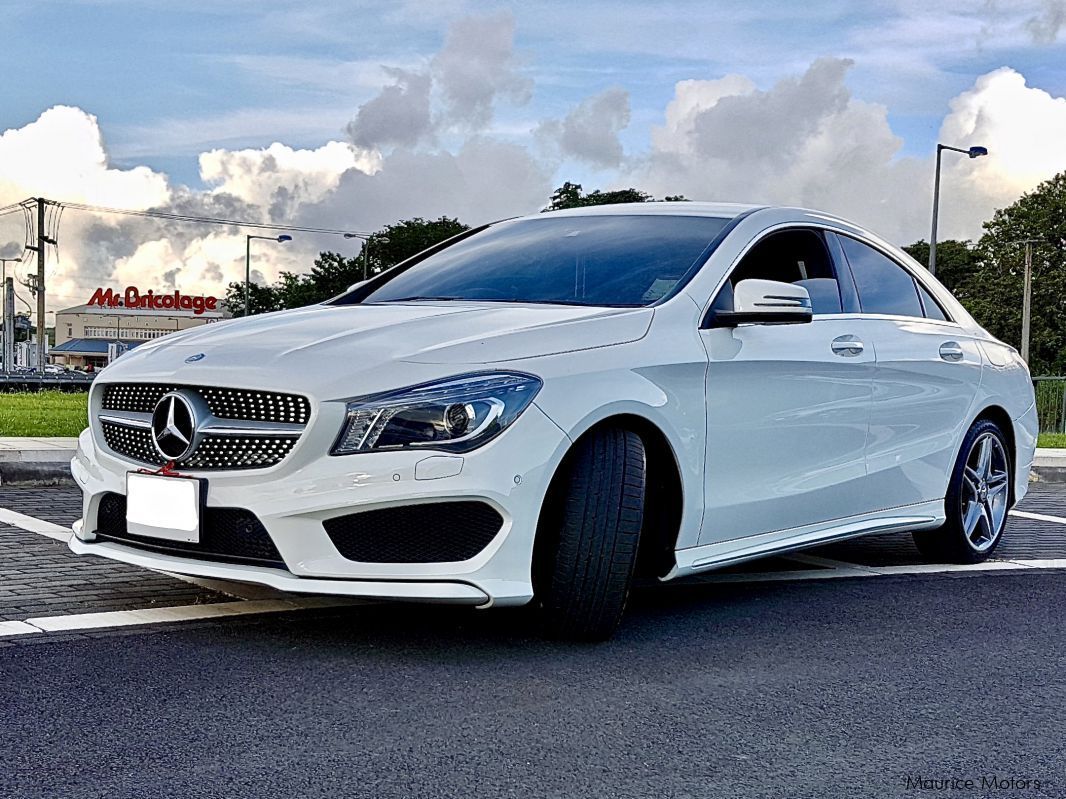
{"type": "Point", "coordinates": [114, 321]}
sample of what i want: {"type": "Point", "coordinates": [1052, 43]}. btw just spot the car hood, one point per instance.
{"type": "Point", "coordinates": [320, 348]}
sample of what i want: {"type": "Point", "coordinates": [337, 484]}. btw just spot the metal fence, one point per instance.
{"type": "Point", "coordinates": [1051, 403]}
{"type": "Point", "coordinates": [31, 381]}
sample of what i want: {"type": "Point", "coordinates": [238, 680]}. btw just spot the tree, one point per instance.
{"type": "Point", "coordinates": [396, 243]}
{"type": "Point", "coordinates": [261, 299]}
{"type": "Point", "coordinates": [995, 294]}
{"type": "Point", "coordinates": [988, 277]}
{"type": "Point", "coordinates": [332, 273]}
{"type": "Point", "coordinates": [956, 261]}
{"type": "Point", "coordinates": [571, 195]}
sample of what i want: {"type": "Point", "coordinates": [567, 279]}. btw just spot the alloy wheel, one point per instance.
{"type": "Point", "coordinates": [984, 496]}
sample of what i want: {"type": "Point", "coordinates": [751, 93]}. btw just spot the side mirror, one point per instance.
{"type": "Point", "coordinates": [354, 286]}
{"type": "Point", "coordinates": [764, 302]}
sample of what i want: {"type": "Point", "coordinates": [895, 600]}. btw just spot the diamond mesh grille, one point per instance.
{"type": "Point", "coordinates": [253, 451]}
{"type": "Point", "coordinates": [132, 442]}
{"type": "Point", "coordinates": [225, 403]}
{"type": "Point", "coordinates": [433, 532]}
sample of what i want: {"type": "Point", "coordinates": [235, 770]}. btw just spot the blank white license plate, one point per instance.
{"type": "Point", "coordinates": [163, 507]}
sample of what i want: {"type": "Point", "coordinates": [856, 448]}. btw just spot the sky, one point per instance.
{"type": "Point", "coordinates": [353, 115]}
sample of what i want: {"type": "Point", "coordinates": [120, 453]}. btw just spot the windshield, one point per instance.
{"type": "Point", "coordinates": [574, 260]}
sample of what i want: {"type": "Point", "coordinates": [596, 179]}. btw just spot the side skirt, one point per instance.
{"type": "Point", "coordinates": [693, 560]}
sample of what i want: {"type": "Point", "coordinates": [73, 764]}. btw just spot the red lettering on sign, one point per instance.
{"type": "Point", "coordinates": [133, 298]}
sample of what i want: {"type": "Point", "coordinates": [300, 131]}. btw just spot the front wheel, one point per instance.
{"type": "Point", "coordinates": [977, 501]}
{"type": "Point", "coordinates": [589, 535]}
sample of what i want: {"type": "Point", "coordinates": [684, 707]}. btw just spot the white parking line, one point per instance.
{"type": "Point", "coordinates": [257, 602]}
{"type": "Point", "coordinates": [126, 618]}
{"type": "Point", "coordinates": [1040, 517]}
{"type": "Point", "coordinates": [58, 532]}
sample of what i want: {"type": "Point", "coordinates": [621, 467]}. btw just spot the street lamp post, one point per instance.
{"type": "Point", "coordinates": [248, 264]}
{"type": "Point", "coordinates": [366, 252]}
{"type": "Point", "coordinates": [972, 152]}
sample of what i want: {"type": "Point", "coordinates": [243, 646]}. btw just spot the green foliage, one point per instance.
{"type": "Point", "coordinates": [996, 292]}
{"type": "Point", "coordinates": [571, 195]}
{"type": "Point", "coordinates": [396, 243]}
{"type": "Point", "coordinates": [955, 261]}
{"type": "Point", "coordinates": [261, 299]}
{"type": "Point", "coordinates": [988, 277]}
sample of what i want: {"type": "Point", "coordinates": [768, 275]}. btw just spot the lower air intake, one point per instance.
{"type": "Point", "coordinates": [232, 535]}
{"type": "Point", "coordinates": [435, 532]}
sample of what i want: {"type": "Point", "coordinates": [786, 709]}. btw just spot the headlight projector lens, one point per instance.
{"type": "Point", "coordinates": [456, 414]}
{"type": "Point", "coordinates": [457, 418]}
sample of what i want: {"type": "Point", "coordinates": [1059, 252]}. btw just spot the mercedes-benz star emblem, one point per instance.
{"type": "Point", "coordinates": [174, 423]}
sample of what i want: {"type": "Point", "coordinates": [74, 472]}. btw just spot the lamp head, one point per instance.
{"type": "Point", "coordinates": [283, 238]}
{"type": "Point", "coordinates": [977, 152]}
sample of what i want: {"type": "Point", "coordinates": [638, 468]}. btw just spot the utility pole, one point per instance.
{"type": "Point", "coordinates": [37, 287]}
{"type": "Point", "coordinates": [1027, 299]}
{"type": "Point", "coordinates": [4, 316]}
{"type": "Point", "coordinates": [9, 324]}
{"type": "Point", "coordinates": [42, 236]}
{"type": "Point", "coordinates": [1027, 292]}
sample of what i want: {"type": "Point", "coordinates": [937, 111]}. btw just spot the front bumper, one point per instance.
{"type": "Point", "coordinates": [292, 500]}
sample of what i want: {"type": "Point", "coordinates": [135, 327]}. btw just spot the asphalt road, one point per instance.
{"type": "Point", "coordinates": [821, 688]}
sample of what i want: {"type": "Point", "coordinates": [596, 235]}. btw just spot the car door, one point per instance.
{"type": "Point", "coordinates": [787, 405]}
{"type": "Point", "coordinates": [927, 373]}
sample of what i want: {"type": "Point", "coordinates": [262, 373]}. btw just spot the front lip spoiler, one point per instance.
{"type": "Point", "coordinates": [442, 592]}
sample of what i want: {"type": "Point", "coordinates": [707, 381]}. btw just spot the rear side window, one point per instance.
{"type": "Point", "coordinates": [931, 306]}
{"type": "Point", "coordinates": [884, 286]}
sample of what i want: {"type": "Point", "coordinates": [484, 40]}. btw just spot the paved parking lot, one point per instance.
{"type": "Point", "coordinates": [843, 671]}
{"type": "Point", "coordinates": [43, 587]}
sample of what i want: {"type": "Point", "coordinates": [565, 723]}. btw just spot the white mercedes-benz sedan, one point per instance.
{"type": "Point", "coordinates": [542, 409]}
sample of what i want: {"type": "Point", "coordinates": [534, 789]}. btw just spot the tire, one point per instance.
{"type": "Point", "coordinates": [589, 536]}
{"type": "Point", "coordinates": [977, 501]}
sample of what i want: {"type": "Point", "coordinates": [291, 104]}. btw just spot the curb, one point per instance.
{"type": "Point", "coordinates": [1047, 474]}
{"type": "Point", "coordinates": [42, 473]}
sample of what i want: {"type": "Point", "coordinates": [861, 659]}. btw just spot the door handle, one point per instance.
{"type": "Point", "coordinates": [847, 346]}
{"type": "Point", "coordinates": [951, 351]}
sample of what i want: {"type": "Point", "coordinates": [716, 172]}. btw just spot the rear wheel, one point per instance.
{"type": "Point", "coordinates": [977, 501]}
{"type": "Point", "coordinates": [589, 535]}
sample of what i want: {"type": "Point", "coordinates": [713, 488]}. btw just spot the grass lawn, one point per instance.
{"type": "Point", "coordinates": [56, 413]}
{"type": "Point", "coordinates": [44, 413]}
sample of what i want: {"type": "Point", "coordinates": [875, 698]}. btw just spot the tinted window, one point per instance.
{"type": "Point", "coordinates": [793, 256]}
{"type": "Point", "coordinates": [581, 260]}
{"type": "Point", "coordinates": [884, 286]}
{"type": "Point", "coordinates": [931, 306]}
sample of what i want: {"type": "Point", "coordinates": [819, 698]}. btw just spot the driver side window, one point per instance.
{"type": "Point", "coordinates": [796, 256]}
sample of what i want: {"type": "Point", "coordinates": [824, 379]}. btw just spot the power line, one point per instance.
{"type": "Point", "coordinates": [206, 220]}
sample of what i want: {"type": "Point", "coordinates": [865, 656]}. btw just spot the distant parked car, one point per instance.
{"type": "Point", "coordinates": [541, 408]}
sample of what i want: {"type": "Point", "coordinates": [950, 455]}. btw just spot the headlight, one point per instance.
{"type": "Point", "coordinates": [457, 414]}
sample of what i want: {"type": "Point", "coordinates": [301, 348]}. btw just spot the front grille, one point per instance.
{"type": "Point", "coordinates": [434, 532]}
{"type": "Point", "coordinates": [232, 535]}
{"type": "Point", "coordinates": [128, 432]}
{"type": "Point", "coordinates": [133, 442]}
{"type": "Point", "coordinates": [225, 403]}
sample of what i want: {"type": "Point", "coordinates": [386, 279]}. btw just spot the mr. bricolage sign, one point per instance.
{"type": "Point", "coordinates": [133, 298]}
